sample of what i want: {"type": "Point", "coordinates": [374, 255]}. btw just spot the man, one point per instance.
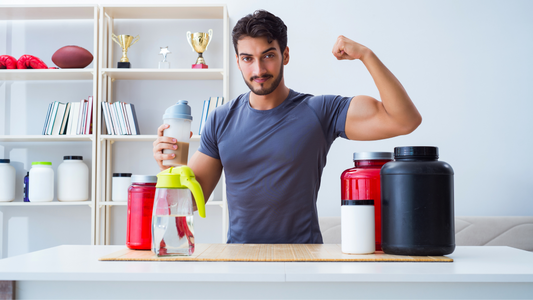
{"type": "Point", "coordinates": [272, 141]}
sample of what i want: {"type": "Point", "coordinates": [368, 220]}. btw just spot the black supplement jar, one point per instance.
{"type": "Point", "coordinates": [417, 209]}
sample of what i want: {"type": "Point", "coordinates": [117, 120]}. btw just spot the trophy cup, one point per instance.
{"type": "Point", "coordinates": [124, 41]}
{"type": "Point", "coordinates": [164, 64]}
{"type": "Point", "coordinates": [199, 42]}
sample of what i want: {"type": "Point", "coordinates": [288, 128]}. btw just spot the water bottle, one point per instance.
{"type": "Point", "coordinates": [179, 118]}
{"type": "Point", "coordinates": [139, 219]}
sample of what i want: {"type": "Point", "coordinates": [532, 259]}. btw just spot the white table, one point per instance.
{"type": "Point", "coordinates": [69, 272]}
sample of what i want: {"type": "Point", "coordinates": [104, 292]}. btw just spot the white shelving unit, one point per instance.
{"type": "Point", "coordinates": [108, 75]}
{"type": "Point", "coordinates": [63, 13]}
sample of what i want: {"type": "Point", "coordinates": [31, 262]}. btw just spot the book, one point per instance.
{"type": "Point", "coordinates": [106, 118]}
{"type": "Point", "coordinates": [47, 117]}
{"type": "Point", "coordinates": [219, 101]}
{"type": "Point", "coordinates": [59, 118]}
{"type": "Point", "coordinates": [212, 105]}
{"type": "Point", "coordinates": [51, 121]}
{"type": "Point", "coordinates": [204, 116]}
{"type": "Point", "coordinates": [125, 115]}
{"type": "Point", "coordinates": [114, 118]}
{"type": "Point", "coordinates": [63, 128]}
{"type": "Point", "coordinates": [73, 118]}
{"type": "Point", "coordinates": [132, 119]}
{"type": "Point", "coordinates": [89, 116]}
{"type": "Point", "coordinates": [119, 116]}
{"type": "Point", "coordinates": [81, 115]}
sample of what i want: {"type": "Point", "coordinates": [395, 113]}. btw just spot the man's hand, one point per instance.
{"type": "Point", "coordinates": [164, 142]}
{"type": "Point", "coordinates": [345, 48]}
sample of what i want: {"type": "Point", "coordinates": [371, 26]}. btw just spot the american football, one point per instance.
{"type": "Point", "coordinates": [72, 57]}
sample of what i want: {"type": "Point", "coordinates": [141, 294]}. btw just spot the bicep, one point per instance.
{"type": "Point", "coordinates": [368, 120]}
{"type": "Point", "coordinates": [207, 171]}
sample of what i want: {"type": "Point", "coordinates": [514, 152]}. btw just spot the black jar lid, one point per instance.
{"type": "Point", "coordinates": [122, 174]}
{"type": "Point", "coordinates": [72, 157]}
{"type": "Point", "coordinates": [357, 202]}
{"type": "Point", "coordinates": [5, 160]}
{"type": "Point", "coordinates": [416, 152]}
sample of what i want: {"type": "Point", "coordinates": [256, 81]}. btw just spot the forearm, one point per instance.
{"type": "Point", "coordinates": [394, 98]}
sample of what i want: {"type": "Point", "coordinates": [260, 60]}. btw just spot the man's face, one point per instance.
{"type": "Point", "coordinates": [261, 64]}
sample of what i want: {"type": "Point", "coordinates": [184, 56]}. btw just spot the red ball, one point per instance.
{"type": "Point", "coordinates": [72, 57]}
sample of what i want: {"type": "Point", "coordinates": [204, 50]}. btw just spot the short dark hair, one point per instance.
{"type": "Point", "coordinates": [261, 24]}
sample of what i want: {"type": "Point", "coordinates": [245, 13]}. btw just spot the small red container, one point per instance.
{"type": "Point", "coordinates": [363, 183]}
{"type": "Point", "coordinates": [141, 195]}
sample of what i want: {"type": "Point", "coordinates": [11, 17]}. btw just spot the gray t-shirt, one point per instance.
{"type": "Point", "coordinates": [273, 161]}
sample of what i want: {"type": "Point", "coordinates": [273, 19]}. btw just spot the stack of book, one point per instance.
{"type": "Point", "coordinates": [71, 118]}
{"type": "Point", "coordinates": [209, 106]}
{"type": "Point", "coordinates": [120, 118]}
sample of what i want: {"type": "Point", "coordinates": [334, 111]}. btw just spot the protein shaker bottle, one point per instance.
{"type": "Point", "coordinates": [179, 118]}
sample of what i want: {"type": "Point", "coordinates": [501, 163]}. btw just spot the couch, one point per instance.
{"type": "Point", "coordinates": [516, 232]}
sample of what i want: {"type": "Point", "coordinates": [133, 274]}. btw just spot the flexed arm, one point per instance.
{"type": "Point", "coordinates": [368, 118]}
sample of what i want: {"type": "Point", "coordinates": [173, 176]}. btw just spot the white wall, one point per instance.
{"type": "Point", "coordinates": [466, 65]}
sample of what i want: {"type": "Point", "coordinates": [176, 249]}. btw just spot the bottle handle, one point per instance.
{"type": "Point", "coordinates": [187, 179]}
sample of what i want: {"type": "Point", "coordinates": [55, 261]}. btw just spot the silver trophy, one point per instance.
{"type": "Point", "coordinates": [164, 64]}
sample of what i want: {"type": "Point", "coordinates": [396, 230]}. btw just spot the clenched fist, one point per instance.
{"type": "Point", "coordinates": [345, 48]}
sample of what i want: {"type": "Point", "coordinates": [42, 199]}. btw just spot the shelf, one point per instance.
{"type": "Point", "coordinates": [52, 203]}
{"type": "Point", "coordinates": [46, 138]}
{"type": "Point", "coordinates": [163, 74]}
{"type": "Point", "coordinates": [125, 203]}
{"type": "Point", "coordinates": [46, 12]}
{"type": "Point", "coordinates": [137, 138]}
{"type": "Point", "coordinates": [197, 11]}
{"type": "Point", "coordinates": [46, 74]}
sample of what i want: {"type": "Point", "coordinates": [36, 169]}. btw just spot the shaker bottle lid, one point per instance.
{"type": "Point", "coordinates": [47, 163]}
{"type": "Point", "coordinates": [5, 160]}
{"type": "Point", "coordinates": [121, 174]}
{"type": "Point", "coordinates": [144, 179]}
{"type": "Point", "coordinates": [372, 155]}
{"type": "Point", "coordinates": [416, 152]}
{"type": "Point", "coordinates": [180, 110]}
{"type": "Point", "coordinates": [357, 202]}
{"type": "Point", "coordinates": [72, 157]}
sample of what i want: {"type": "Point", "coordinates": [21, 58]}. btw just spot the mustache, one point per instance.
{"type": "Point", "coordinates": [264, 77]}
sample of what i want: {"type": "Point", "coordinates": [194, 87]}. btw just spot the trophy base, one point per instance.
{"type": "Point", "coordinates": [164, 65]}
{"type": "Point", "coordinates": [123, 65]}
{"type": "Point", "coordinates": [199, 66]}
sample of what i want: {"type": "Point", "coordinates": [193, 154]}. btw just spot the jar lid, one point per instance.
{"type": "Point", "coordinates": [416, 152]}
{"type": "Point", "coordinates": [357, 202]}
{"type": "Point", "coordinates": [46, 163]}
{"type": "Point", "coordinates": [5, 160]}
{"type": "Point", "coordinates": [121, 174]}
{"type": "Point", "coordinates": [372, 155]}
{"type": "Point", "coordinates": [72, 157]}
{"type": "Point", "coordinates": [143, 179]}
{"type": "Point", "coordinates": [180, 110]}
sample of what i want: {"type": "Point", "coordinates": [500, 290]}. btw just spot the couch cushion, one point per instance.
{"type": "Point", "coordinates": [514, 232]}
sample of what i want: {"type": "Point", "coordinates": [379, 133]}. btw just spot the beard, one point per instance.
{"type": "Point", "coordinates": [262, 90]}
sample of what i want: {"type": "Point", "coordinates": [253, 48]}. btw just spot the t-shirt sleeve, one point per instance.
{"type": "Point", "coordinates": [331, 111]}
{"type": "Point", "coordinates": [208, 140]}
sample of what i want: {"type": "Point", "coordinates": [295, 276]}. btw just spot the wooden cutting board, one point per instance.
{"type": "Point", "coordinates": [268, 252]}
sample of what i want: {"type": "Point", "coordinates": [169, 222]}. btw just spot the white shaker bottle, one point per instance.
{"type": "Point", "coordinates": [42, 182]}
{"type": "Point", "coordinates": [72, 179]}
{"type": "Point", "coordinates": [7, 181]}
{"type": "Point", "coordinates": [179, 118]}
{"type": "Point", "coordinates": [357, 227]}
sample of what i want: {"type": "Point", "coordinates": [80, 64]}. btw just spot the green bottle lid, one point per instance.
{"type": "Point", "coordinates": [41, 163]}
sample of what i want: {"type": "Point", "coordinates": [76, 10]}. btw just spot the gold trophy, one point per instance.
{"type": "Point", "coordinates": [124, 41]}
{"type": "Point", "coordinates": [199, 42]}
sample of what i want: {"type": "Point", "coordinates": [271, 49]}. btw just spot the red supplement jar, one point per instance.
{"type": "Point", "coordinates": [141, 195]}
{"type": "Point", "coordinates": [363, 183]}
